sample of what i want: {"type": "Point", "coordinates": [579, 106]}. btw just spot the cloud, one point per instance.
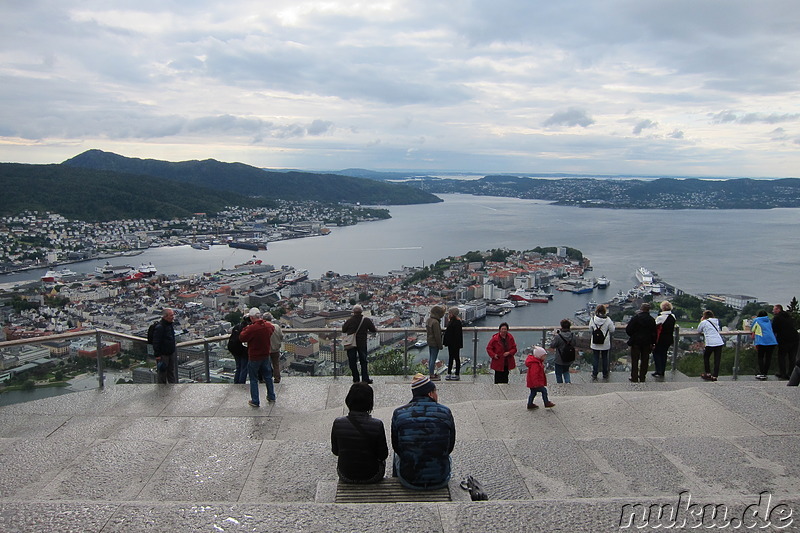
{"type": "Point", "coordinates": [642, 125]}
{"type": "Point", "coordinates": [570, 118]}
{"type": "Point", "coordinates": [725, 117]}
{"type": "Point", "coordinates": [489, 85]}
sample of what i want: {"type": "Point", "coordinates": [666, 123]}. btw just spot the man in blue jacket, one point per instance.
{"type": "Point", "coordinates": [423, 436]}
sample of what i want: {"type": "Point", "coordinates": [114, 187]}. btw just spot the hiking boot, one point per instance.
{"type": "Point", "coordinates": [532, 406]}
{"type": "Point", "coordinates": [251, 403]}
{"type": "Point", "coordinates": [549, 404]}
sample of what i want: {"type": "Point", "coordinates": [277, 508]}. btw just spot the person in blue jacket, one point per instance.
{"type": "Point", "coordinates": [765, 342]}
{"type": "Point", "coordinates": [423, 436]}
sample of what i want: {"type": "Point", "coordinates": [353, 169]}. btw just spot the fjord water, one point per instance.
{"type": "Point", "coordinates": [752, 252]}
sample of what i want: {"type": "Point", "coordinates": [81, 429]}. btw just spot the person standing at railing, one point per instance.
{"type": "Point", "coordinates": [501, 349]}
{"type": "Point", "coordinates": [454, 340]}
{"type": "Point", "coordinates": [239, 351]}
{"type": "Point", "coordinates": [359, 325]}
{"type": "Point", "coordinates": [641, 330]}
{"type": "Point", "coordinates": [257, 335]}
{"type": "Point", "coordinates": [164, 348]}
{"type": "Point", "coordinates": [665, 331]}
{"type": "Point", "coordinates": [788, 340]}
{"type": "Point", "coordinates": [601, 328]}
{"type": "Point", "coordinates": [433, 328]}
{"type": "Point", "coordinates": [562, 338]}
{"type": "Point", "coordinates": [275, 341]}
{"type": "Point", "coordinates": [765, 342]}
{"type": "Point", "coordinates": [709, 327]}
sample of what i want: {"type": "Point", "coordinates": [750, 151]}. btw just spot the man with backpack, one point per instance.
{"type": "Point", "coordinates": [239, 351]}
{"type": "Point", "coordinates": [164, 348]}
{"type": "Point", "coordinates": [564, 344]}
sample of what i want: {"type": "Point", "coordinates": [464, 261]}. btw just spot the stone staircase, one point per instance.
{"type": "Point", "coordinates": [198, 458]}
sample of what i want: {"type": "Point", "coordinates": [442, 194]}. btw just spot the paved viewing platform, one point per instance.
{"type": "Point", "coordinates": [197, 457]}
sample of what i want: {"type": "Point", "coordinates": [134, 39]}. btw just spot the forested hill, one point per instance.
{"type": "Point", "coordinates": [661, 193]}
{"type": "Point", "coordinates": [253, 181]}
{"type": "Point", "coordinates": [101, 195]}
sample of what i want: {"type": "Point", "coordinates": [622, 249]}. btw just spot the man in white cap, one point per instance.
{"type": "Point", "coordinates": [423, 436]}
{"type": "Point", "coordinates": [257, 336]}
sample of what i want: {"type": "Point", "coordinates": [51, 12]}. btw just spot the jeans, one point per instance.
{"type": "Point", "coordinates": [406, 484]}
{"type": "Point", "coordinates": [640, 360]}
{"type": "Point", "coordinates": [598, 355]}
{"type": "Point", "coordinates": [264, 366]}
{"type": "Point", "coordinates": [170, 373]}
{"type": "Point", "coordinates": [717, 351]}
{"type": "Point", "coordinates": [562, 374]}
{"type": "Point", "coordinates": [356, 356]}
{"type": "Point", "coordinates": [240, 374]}
{"type": "Point", "coordinates": [660, 359]}
{"type": "Point", "coordinates": [433, 354]}
{"type": "Point", "coordinates": [454, 355]}
{"type": "Point", "coordinates": [764, 353]}
{"type": "Point", "coordinates": [534, 390]}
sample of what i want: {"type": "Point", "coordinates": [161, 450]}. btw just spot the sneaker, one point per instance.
{"type": "Point", "coordinates": [456, 378]}
{"type": "Point", "coordinates": [271, 400]}
{"type": "Point", "coordinates": [761, 377]}
{"type": "Point", "coordinates": [276, 380]}
{"type": "Point", "coordinates": [532, 406]}
{"type": "Point", "coordinates": [251, 403]}
{"type": "Point", "coordinates": [448, 377]}
{"type": "Point", "coordinates": [549, 404]}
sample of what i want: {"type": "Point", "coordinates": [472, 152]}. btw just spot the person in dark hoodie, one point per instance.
{"type": "Point", "coordinates": [786, 333]}
{"type": "Point", "coordinates": [453, 339]}
{"type": "Point", "coordinates": [561, 339]}
{"type": "Point", "coordinates": [641, 330]}
{"type": "Point", "coordinates": [359, 440]}
{"type": "Point", "coordinates": [665, 331]}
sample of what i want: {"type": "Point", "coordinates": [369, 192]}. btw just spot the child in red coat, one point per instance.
{"type": "Point", "coordinates": [536, 379]}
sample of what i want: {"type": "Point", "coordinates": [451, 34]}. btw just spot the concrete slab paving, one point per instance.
{"type": "Point", "coordinates": [196, 457]}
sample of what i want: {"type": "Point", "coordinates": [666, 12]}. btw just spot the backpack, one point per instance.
{"type": "Point", "coordinates": [598, 337]}
{"type": "Point", "coordinates": [567, 351]}
{"type": "Point", "coordinates": [235, 346]}
{"type": "Point", "coordinates": [151, 330]}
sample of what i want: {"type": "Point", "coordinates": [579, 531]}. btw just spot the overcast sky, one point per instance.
{"type": "Point", "coordinates": [676, 87]}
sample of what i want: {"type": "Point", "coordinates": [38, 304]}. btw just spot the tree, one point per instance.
{"type": "Point", "coordinates": [234, 317]}
{"type": "Point", "coordinates": [794, 310]}
{"type": "Point", "coordinates": [390, 363]}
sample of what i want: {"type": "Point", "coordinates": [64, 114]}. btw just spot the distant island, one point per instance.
{"type": "Point", "coordinates": [628, 193]}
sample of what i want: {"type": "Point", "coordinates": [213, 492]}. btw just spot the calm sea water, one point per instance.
{"type": "Point", "coordinates": [752, 252]}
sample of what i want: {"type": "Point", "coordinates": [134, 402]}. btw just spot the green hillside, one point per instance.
{"type": "Point", "coordinates": [253, 181]}
{"type": "Point", "coordinates": [101, 195]}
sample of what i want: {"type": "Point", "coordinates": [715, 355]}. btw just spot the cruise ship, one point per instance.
{"type": "Point", "coordinates": [644, 276]}
{"type": "Point", "coordinates": [602, 282]}
{"type": "Point", "coordinates": [529, 296]}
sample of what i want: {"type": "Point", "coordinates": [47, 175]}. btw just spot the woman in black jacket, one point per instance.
{"type": "Point", "coordinates": [454, 341]}
{"type": "Point", "coordinates": [359, 440]}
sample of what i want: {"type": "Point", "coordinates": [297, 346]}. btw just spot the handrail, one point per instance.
{"type": "Point", "coordinates": [336, 333]}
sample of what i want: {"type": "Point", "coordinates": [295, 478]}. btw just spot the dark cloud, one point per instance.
{"type": "Point", "coordinates": [724, 117]}
{"type": "Point", "coordinates": [570, 118]}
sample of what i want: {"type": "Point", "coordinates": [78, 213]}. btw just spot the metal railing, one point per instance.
{"type": "Point", "coordinates": [335, 335]}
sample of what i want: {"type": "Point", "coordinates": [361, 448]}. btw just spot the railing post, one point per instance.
{"type": "Point", "coordinates": [99, 352]}
{"type": "Point", "coordinates": [675, 348]}
{"type": "Point", "coordinates": [207, 361]}
{"type": "Point", "coordinates": [474, 353]}
{"type": "Point", "coordinates": [335, 358]}
{"type": "Point", "coordinates": [405, 353]}
{"type": "Point", "coordinates": [544, 339]}
{"type": "Point", "coordinates": [736, 356]}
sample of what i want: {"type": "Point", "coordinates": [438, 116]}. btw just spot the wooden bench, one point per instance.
{"type": "Point", "coordinates": [388, 491]}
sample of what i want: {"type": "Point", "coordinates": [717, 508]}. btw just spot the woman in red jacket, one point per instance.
{"type": "Point", "coordinates": [501, 350]}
